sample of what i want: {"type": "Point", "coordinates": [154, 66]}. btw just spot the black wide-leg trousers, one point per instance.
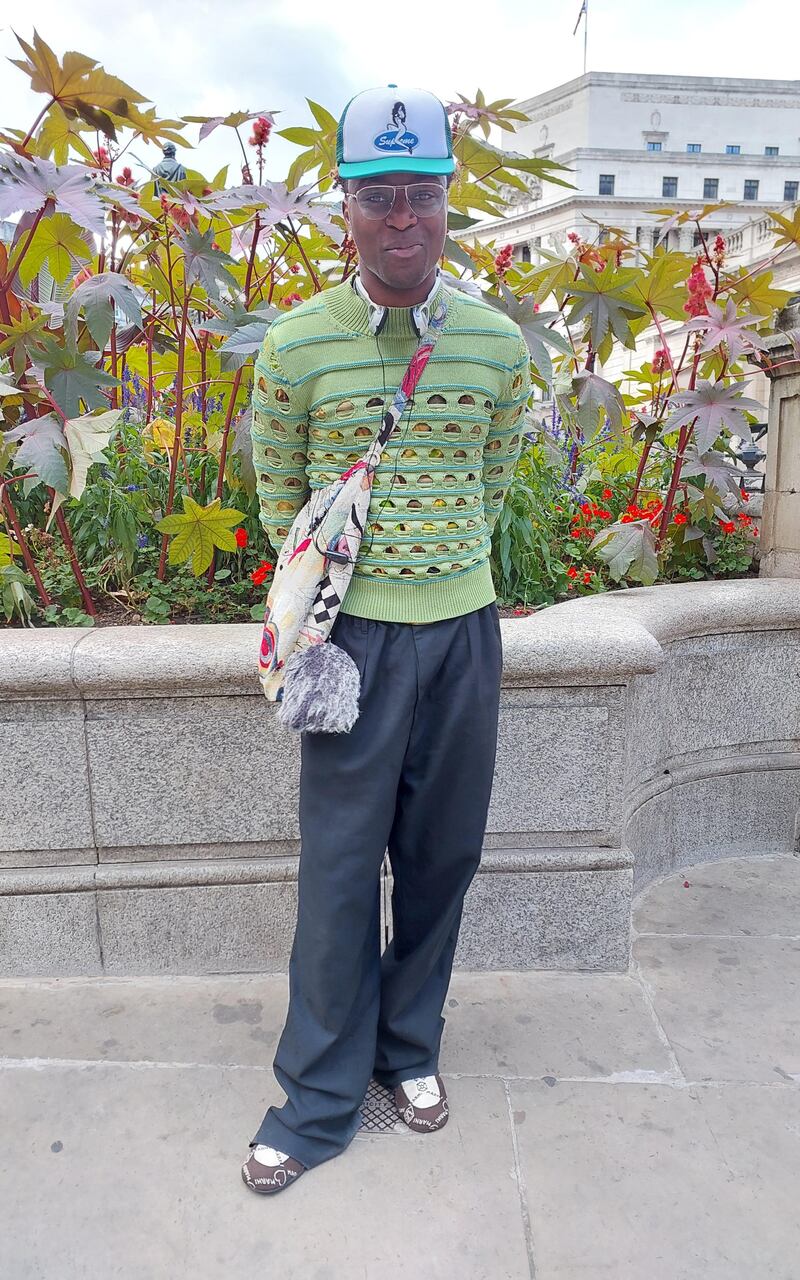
{"type": "Point", "coordinates": [414, 776]}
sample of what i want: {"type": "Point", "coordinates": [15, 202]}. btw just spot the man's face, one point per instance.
{"type": "Point", "coordinates": [376, 240]}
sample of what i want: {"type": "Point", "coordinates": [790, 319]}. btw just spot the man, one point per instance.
{"type": "Point", "coordinates": [419, 619]}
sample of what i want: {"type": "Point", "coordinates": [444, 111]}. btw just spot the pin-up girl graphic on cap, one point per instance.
{"type": "Point", "coordinates": [396, 137]}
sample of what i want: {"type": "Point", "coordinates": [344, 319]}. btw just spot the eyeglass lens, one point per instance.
{"type": "Point", "coordinates": [424, 199]}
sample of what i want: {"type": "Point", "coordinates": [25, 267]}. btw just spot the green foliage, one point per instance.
{"type": "Point", "coordinates": [129, 322]}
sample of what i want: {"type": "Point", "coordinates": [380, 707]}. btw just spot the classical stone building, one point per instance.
{"type": "Point", "coordinates": [636, 143]}
{"type": "Point", "coordinates": [640, 144]}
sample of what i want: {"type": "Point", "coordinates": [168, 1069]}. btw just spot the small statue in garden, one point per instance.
{"type": "Point", "coordinates": [169, 168]}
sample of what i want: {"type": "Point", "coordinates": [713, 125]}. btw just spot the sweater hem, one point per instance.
{"type": "Point", "coordinates": [398, 601]}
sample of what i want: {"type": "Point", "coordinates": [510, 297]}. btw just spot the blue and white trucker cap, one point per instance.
{"type": "Point", "coordinates": [392, 130]}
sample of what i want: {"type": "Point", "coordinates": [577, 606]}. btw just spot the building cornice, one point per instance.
{"type": "Point", "coordinates": [623, 79]}
{"type": "Point", "coordinates": [644, 204]}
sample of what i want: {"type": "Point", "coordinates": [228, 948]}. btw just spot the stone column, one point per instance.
{"type": "Point", "coordinates": [780, 521]}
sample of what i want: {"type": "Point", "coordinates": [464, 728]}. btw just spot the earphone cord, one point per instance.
{"type": "Point", "coordinates": [405, 433]}
{"type": "Point", "coordinates": [410, 407]}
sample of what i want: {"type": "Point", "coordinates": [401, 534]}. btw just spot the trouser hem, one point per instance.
{"type": "Point", "coordinates": [309, 1151]}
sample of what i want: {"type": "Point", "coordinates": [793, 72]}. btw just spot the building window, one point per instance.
{"type": "Point", "coordinates": [751, 188]}
{"type": "Point", "coordinates": [790, 190]}
{"type": "Point", "coordinates": [733, 149]}
{"type": "Point", "coordinates": [526, 253]}
{"type": "Point", "coordinates": [669, 186]}
{"type": "Point", "coordinates": [693, 147]}
{"type": "Point", "coordinates": [770, 151]}
{"type": "Point", "coordinates": [654, 146]}
{"type": "Point", "coordinates": [710, 188]}
{"type": "Point", "coordinates": [606, 187]}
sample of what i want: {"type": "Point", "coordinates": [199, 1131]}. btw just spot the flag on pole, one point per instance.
{"type": "Point", "coordinates": [584, 11]}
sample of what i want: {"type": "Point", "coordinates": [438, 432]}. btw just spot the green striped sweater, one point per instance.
{"type": "Point", "coordinates": [321, 380]}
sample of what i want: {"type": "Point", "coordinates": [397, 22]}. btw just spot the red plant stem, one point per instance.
{"type": "Point", "coordinates": [115, 388]}
{"type": "Point", "coordinates": [149, 327]}
{"type": "Point", "coordinates": [13, 267]}
{"type": "Point", "coordinates": [11, 516]}
{"type": "Point", "coordinates": [61, 521]}
{"type": "Point", "coordinates": [162, 560]}
{"type": "Point", "coordinates": [683, 441]}
{"type": "Point", "coordinates": [32, 129]}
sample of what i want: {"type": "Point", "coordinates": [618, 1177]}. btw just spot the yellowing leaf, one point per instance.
{"type": "Point", "coordinates": [87, 437]}
{"type": "Point", "coordinates": [158, 434]}
{"type": "Point", "coordinates": [198, 531]}
{"type": "Point", "coordinates": [58, 243]}
{"type": "Point", "coordinates": [8, 549]}
{"type": "Point", "coordinates": [755, 290]}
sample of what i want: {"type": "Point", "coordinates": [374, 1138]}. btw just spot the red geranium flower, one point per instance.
{"type": "Point", "coordinates": [241, 537]}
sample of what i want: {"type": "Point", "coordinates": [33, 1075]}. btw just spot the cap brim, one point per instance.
{"type": "Point", "coordinates": [396, 164]}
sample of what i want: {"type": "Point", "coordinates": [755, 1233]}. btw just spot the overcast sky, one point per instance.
{"type": "Point", "coordinates": [199, 58]}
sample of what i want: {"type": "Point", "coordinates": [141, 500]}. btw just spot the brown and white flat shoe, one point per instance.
{"type": "Point", "coordinates": [268, 1170]}
{"type": "Point", "coordinates": [422, 1103]}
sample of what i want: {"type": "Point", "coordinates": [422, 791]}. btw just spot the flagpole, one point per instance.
{"type": "Point", "coordinates": [585, 33]}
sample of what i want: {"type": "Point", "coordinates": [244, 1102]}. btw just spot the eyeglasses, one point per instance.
{"type": "Point", "coordinates": [424, 199]}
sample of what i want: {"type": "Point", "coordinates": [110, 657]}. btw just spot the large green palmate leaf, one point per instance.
{"type": "Point", "coordinates": [663, 285]}
{"type": "Point", "coordinates": [244, 333]}
{"type": "Point", "coordinates": [99, 298]}
{"type": "Point", "coordinates": [205, 264]}
{"type": "Point", "coordinates": [198, 531]}
{"type": "Point", "coordinates": [209, 123]}
{"type": "Point", "coordinates": [728, 327]}
{"type": "Point", "coordinates": [79, 85]}
{"type": "Point", "coordinates": [71, 377]}
{"type": "Point", "coordinates": [26, 186]}
{"type": "Point", "coordinates": [596, 398]}
{"type": "Point", "coordinates": [724, 476]}
{"type": "Point", "coordinates": [58, 244]}
{"type": "Point", "coordinates": [716, 408]}
{"type": "Point", "coordinates": [536, 330]}
{"type": "Point", "coordinates": [605, 300]}
{"type": "Point", "coordinates": [42, 450]}
{"type": "Point", "coordinates": [629, 550]}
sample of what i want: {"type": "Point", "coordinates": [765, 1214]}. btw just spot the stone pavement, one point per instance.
{"type": "Point", "coordinates": [643, 1126]}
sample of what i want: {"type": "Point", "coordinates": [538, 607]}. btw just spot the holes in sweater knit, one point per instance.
{"type": "Point", "coordinates": [363, 431]}
{"type": "Point", "coordinates": [493, 445]}
{"type": "Point", "coordinates": [452, 429]}
{"type": "Point", "coordinates": [345, 409]}
{"type": "Point", "coordinates": [422, 428]}
{"type": "Point", "coordinates": [436, 399]}
{"type": "Point", "coordinates": [282, 398]}
{"type": "Point", "coordinates": [336, 436]}
{"type": "Point", "coordinates": [466, 399]}
{"type": "Point", "coordinates": [375, 403]}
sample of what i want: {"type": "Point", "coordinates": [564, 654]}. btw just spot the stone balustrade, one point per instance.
{"type": "Point", "coordinates": [148, 810]}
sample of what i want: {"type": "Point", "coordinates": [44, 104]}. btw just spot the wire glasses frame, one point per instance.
{"type": "Point", "coordinates": [376, 202]}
